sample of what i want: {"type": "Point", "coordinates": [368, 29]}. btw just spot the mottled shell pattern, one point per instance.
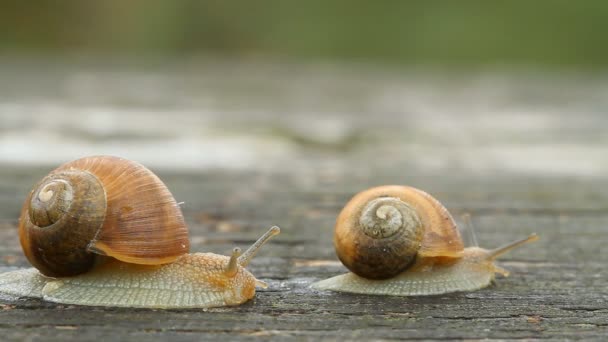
{"type": "Point", "coordinates": [381, 231]}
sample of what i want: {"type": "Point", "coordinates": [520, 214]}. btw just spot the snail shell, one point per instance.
{"type": "Point", "coordinates": [381, 231]}
{"type": "Point", "coordinates": [100, 206]}
{"type": "Point", "coordinates": [399, 240]}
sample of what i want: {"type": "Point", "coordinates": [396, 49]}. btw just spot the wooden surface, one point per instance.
{"type": "Point", "coordinates": [247, 146]}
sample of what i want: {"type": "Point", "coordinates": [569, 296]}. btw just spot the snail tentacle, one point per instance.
{"type": "Point", "coordinates": [232, 267]}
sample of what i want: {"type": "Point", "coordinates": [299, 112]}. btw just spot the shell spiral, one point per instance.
{"type": "Point", "coordinates": [381, 231]}
{"type": "Point", "coordinates": [100, 205]}
{"type": "Point", "coordinates": [387, 216]}
{"type": "Point", "coordinates": [54, 218]}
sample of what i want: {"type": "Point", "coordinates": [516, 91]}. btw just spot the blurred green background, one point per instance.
{"type": "Point", "coordinates": [542, 33]}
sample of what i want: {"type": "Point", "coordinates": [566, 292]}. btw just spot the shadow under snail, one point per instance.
{"type": "Point", "coordinates": [106, 231]}
{"type": "Point", "coordinates": [398, 240]}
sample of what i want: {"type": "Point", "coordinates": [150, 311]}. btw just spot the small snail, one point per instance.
{"type": "Point", "coordinates": [106, 231]}
{"type": "Point", "coordinates": [398, 240]}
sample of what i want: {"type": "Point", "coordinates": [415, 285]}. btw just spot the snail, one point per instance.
{"type": "Point", "coordinates": [106, 231]}
{"type": "Point", "coordinates": [400, 241]}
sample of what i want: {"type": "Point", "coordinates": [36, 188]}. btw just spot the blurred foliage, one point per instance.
{"type": "Point", "coordinates": [461, 33]}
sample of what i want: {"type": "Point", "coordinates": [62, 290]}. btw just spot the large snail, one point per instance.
{"type": "Point", "coordinates": [398, 240]}
{"type": "Point", "coordinates": [106, 231]}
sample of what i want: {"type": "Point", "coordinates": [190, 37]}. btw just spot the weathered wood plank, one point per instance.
{"type": "Point", "coordinates": [557, 288]}
{"type": "Point", "coordinates": [516, 174]}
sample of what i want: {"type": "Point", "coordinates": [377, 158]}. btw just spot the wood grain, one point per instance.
{"type": "Point", "coordinates": [507, 150]}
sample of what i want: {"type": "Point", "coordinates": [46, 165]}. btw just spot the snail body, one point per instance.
{"type": "Point", "coordinates": [198, 280]}
{"type": "Point", "coordinates": [399, 240]}
{"type": "Point", "coordinates": [106, 231]}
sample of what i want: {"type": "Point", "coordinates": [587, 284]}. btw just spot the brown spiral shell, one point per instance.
{"type": "Point", "coordinates": [381, 231]}
{"type": "Point", "coordinates": [100, 205]}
